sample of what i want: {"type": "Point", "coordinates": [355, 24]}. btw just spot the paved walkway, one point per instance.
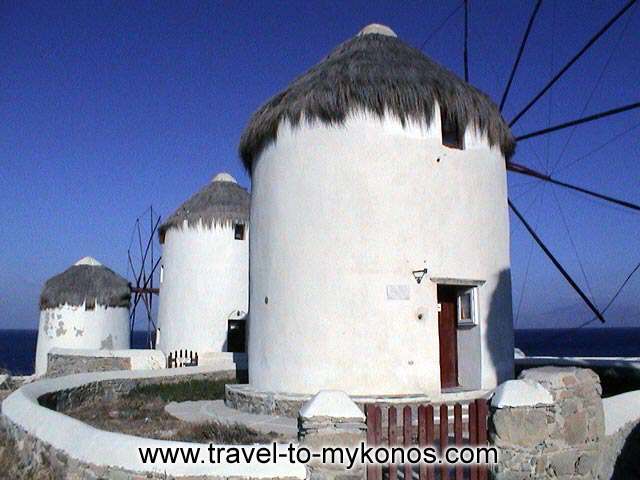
{"type": "Point", "coordinates": [215, 410]}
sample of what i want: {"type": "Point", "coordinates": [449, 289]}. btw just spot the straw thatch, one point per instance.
{"type": "Point", "coordinates": [377, 73]}
{"type": "Point", "coordinates": [86, 282]}
{"type": "Point", "coordinates": [221, 202]}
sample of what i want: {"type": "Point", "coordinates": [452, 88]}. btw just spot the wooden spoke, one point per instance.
{"type": "Point", "coordinates": [590, 118]}
{"type": "Point", "coordinates": [556, 263]}
{"type": "Point", "coordinates": [520, 51]}
{"type": "Point", "coordinates": [573, 60]}
{"type": "Point", "coordinates": [521, 169]}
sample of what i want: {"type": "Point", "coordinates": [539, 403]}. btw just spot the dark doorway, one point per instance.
{"type": "Point", "coordinates": [448, 335]}
{"type": "Point", "coordinates": [236, 336]}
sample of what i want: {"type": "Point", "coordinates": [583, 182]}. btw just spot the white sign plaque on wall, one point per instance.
{"type": "Point", "coordinates": [398, 292]}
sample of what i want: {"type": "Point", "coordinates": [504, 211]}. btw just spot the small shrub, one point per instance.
{"type": "Point", "coordinates": [141, 412]}
{"type": "Point", "coordinates": [216, 432]}
{"type": "Point", "coordinates": [183, 391]}
{"type": "Point", "coordinates": [12, 467]}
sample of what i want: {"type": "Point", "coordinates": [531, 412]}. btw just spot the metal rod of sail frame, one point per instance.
{"type": "Point", "coordinates": [466, 40]}
{"type": "Point", "coordinates": [573, 60]}
{"type": "Point", "coordinates": [557, 264]}
{"type": "Point", "coordinates": [522, 170]}
{"type": "Point", "coordinates": [579, 121]}
{"type": "Point", "coordinates": [520, 52]}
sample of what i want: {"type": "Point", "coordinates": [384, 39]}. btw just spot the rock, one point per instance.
{"type": "Point", "coordinates": [563, 463]}
{"type": "Point", "coordinates": [511, 476]}
{"type": "Point", "coordinates": [551, 377]}
{"type": "Point", "coordinates": [586, 463]}
{"type": "Point", "coordinates": [524, 427]}
{"type": "Point", "coordinates": [575, 427]}
{"type": "Point", "coordinates": [550, 424]}
{"type": "Point", "coordinates": [569, 407]}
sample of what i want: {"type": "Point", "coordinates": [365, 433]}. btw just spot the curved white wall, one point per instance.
{"type": "Point", "coordinates": [105, 328]}
{"type": "Point", "coordinates": [75, 441]}
{"type": "Point", "coordinates": [340, 213]}
{"type": "Point", "coordinates": [204, 281]}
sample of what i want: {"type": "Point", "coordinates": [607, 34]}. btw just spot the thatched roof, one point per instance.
{"type": "Point", "coordinates": [378, 73]}
{"type": "Point", "coordinates": [222, 201]}
{"type": "Point", "coordinates": [88, 280]}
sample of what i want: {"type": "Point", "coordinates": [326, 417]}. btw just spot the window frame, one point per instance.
{"type": "Point", "coordinates": [472, 291]}
{"type": "Point", "coordinates": [463, 284]}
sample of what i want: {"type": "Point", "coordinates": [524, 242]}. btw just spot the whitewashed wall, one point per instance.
{"type": "Point", "coordinates": [104, 328]}
{"type": "Point", "coordinates": [340, 213]}
{"type": "Point", "coordinates": [77, 444]}
{"type": "Point", "coordinates": [204, 281]}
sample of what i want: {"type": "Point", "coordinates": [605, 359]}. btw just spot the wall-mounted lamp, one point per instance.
{"type": "Point", "coordinates": [419, 274]}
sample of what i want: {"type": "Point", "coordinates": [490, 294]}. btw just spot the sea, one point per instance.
{"type": "Point", "coordinates": [18, 347]}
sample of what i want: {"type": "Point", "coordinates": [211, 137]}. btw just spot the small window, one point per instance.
{"type": "Point", "coordinates": [467, 315]}
{"type": "Point", "coordinates": [452, 134]}
{"type": "Point", "coordinates": [238, 233]}
{"type": "Point", "coordinates": [161, 273]}
{"type": "Point", "coordinates": [90, 303]}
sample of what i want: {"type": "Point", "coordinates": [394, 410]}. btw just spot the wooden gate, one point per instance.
{"type": "Point", "coordinates": [467, 426]}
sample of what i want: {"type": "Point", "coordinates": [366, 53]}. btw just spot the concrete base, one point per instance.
{"type": "Point", "coordinates": [239, 360]}
{"type": "Point", "coordinates": [247, 399]}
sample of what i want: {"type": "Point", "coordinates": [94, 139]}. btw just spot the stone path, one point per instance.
{"type": "Point", "coordinates": [215, 410]}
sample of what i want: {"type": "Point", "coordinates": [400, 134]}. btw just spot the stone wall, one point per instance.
{"type": "Point", "coordinates": [559, 439]}
{"type": "Point", "coordinates": [8, 384]}
{"type": "Point", "coordinates": [35, 456]}
{"type": "Point", "coordinates": [331, 418]}
{"type": "Point", "coordinates": [59, 365]}
{"type": "Point", "coordinates": [68, 361]}
{"type": "Point", "coordinates": [64, 400]}
{"type": "Point", "coordinates": [30, 450]}
{"type": "Point", "coordinates": [247, 399]}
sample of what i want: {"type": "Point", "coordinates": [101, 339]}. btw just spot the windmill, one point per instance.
{"type": "Point", "coordinates": [522, 170]}
{"type": "Point", "coordinates": [142, 265]}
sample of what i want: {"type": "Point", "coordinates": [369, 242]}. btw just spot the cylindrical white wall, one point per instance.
{"type": "Point", "coordinates": [338, 214]}
{"type": "Point", "coordinates": [204, 281]}
{"type": "Point", "coordinates": [103, 328]}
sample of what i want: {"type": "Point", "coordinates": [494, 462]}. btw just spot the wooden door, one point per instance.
{"type": "Point", "coordinates": [236, 336]}
{"type": "Point", "coordinates": [448, 335]}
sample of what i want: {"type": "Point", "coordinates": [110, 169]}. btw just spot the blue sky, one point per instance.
{"type": "Point", "coordinates": [108, 107]}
